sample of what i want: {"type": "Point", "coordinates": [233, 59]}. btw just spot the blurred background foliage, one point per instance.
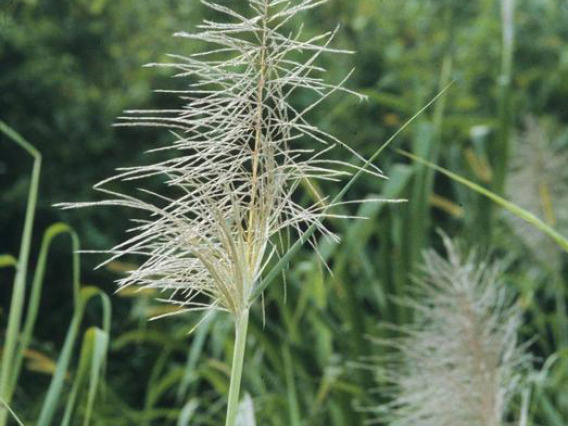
{"type": "Point", "coordinates": [69, 67]}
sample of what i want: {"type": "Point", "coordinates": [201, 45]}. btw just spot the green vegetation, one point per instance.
{"type": "Point", "coordinates": [497, 135]}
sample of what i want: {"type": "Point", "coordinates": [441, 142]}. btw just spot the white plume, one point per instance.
{"type": "Point", "coordinates": [237, 158]}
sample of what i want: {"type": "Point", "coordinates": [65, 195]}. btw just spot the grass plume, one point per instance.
{"type": "Point", "coordinates": [459, 363]}
{"type": "Point", "coordinates": [238, 155]}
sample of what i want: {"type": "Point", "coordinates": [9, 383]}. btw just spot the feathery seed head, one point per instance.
{"type": "Point", "coordinates": [237, 158]}
{"type": "Point", "coordinates": [459, 363]}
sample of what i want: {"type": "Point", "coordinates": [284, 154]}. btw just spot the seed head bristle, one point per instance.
{"type": "Point", "coordinates": [238, 156]}
{"type": "Point", "coordinates": [459, 363]}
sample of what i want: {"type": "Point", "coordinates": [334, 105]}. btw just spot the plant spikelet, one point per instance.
{"type": "Point", "coordinates": [238, 156]}
{"type": "Point", "coordinates": [459, 363]}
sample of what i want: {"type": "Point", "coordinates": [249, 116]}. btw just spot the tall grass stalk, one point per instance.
{"type": "Point", "coordinates": [36, 291]}
{"type": "Point", "coordinates": [237, 160]}
{"type": "Point", "coordinates": [18, 339]}
{"type": "Point", "coordinates": [82, 297]}
{"type": "Point", "coordinates": [502, 145]}
{"type": "Point", "coordinates": [427, 143]}
{"type": "Point", "coordinates": [19, 287]}
{"type": "Point", "coordinates": [241, 326]}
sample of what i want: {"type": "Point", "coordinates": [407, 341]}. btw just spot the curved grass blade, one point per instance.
{"type": "Point", "coordinates": [91, 362]}
{"type": "Point", "coordinates": [56, 386]}
{"type": "Point", "coordinates": [513, 208]}
{"type": "Point", "coordinates": [98, 363]}
{"type": "Point", "coordinates": [19, 290]}
{"type": "Point", "coordinates": [37, 285]}
{"type": "Point", "coordinates": [140, 336]}
{"type": "Point", "coordinates": [8, 261]}
{"type": "Point", "coordinates": [187, 412]}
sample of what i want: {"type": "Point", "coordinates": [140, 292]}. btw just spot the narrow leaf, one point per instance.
{"type": "Point", "coordinates": [513, 208]}
{"type": "Point", "coordinates": [285, 259]}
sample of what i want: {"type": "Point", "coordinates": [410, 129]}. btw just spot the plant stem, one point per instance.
{"type": "Point", "coordinates": [241, 326]}
{"type": "Point", "coordinates": [19, 287]}
{"type": "Point", "coordinates": [502, 147]}
{"type": "Point", "coordinates": [513, 208]}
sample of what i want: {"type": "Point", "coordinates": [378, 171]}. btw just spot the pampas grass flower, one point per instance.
{"type": "Point", "coordinates": [237, 158]}
{"type": "Point", "coordinates": [459, 363]}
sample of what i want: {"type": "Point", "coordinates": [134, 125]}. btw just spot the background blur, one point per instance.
{"type": "Point", "coordinates": [69, 67]}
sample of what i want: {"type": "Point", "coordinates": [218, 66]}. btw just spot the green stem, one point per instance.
{"type": "Point", "coordinates": [57, 381]}
{"type": "Point", "coordinates": [19, 288]}
{"type": "Point", "coordinates": [502, 147]}
{"type": "Point", "coordinates": [241, 326]}
{"type": "Point", "coordinates": [513, 208]}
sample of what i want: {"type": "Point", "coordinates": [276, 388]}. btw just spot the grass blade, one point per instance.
{"type": "Point", "coordinates": [8, 261]}
{"type": "Point", "coordinates": [37, 285]}
{"type": "Point", "coordinates": [513, 208]}
{"type": "Point", "coordinates": [19, 287]}
{"type": "Point", "coordinates": [427, 143]}
{"type": "Point", "coordinates": [188, 412]}
{"type": "Point", "coordinates": [285, 259]}
{"type": "Point", "coordinates": [293, 406]}
{"type": "Point", "coordinates": [4, 406]}
{"type": "Point", "coordinates": [92, 359]}
{"type": "Point", "coordinates": [193, 357]}
{"type": "Point", "coordinates": [56, 386]}
{"type": "Point", "coordinates": [502, 147]}
{"type": "Point", "coordinates": [100, 348]}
